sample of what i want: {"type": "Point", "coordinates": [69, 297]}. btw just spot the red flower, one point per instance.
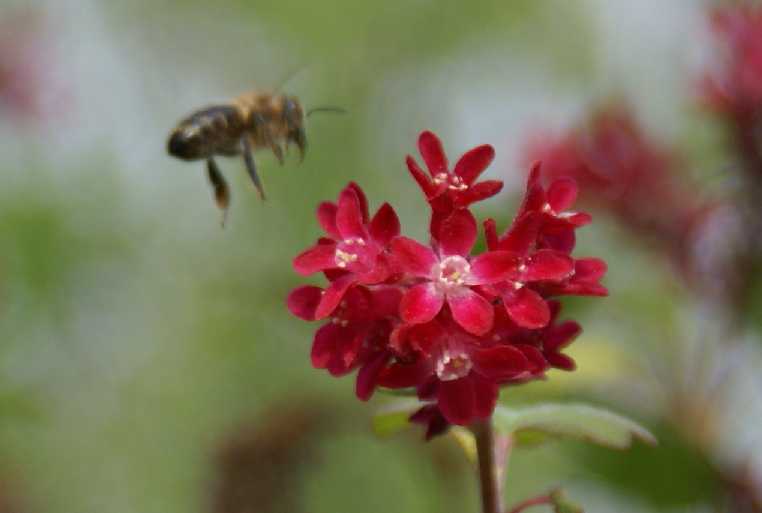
{"type": "Point", "coordinates": [435, 318]}
{"type": "Point", "coordinates": [735, 87]}
{"type": "Point", "coordinates": [353, 252]}
{"type": "Point", "coordinates": [447, 275]}
{"type": "Point", "coordinates": [448, 190]}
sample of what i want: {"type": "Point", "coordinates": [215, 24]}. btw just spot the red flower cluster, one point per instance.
{"type": "Point", "coordinates": [434, 317]}
{"type": "Point", "coordinates": [623, 171]}
{"type": "Point", "coordinates": [735, 88]}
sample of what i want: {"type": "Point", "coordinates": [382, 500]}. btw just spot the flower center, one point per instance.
{"type": "Point", "coordinates": [348, 251]}
{"type": "Point", "coordinates": [453, 271]}
{"type": "Point", "coordinates": [452, 365]}
{"type": "Point", "coordinates": [454, 182]}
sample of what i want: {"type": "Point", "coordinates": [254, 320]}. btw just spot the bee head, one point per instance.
{"type": "Point", "coordinates": [185, 143]}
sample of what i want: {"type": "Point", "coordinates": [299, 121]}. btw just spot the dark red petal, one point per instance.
{"type": "Point", "coordinates": [424, 182]}
{"type": "Point", "coordinates": [561, 361]}
{"type": "Point", "coordinates": [534, 357]}
{"type": "Point", "coordinates": [326, 214]}
{"type": "Point", "coordinates": [577, 219]}
{"type": "Point", "coordinates": [362, 199]}
{"type": "Point", "coordinates": [547, 264]}
{"type": "Point", "coordinates": [522, 235]}
{"type": "Point", "coordinates": [474, 313]}
{"type": "Point", "coordinates": [432, 152]}
{"type": "Point", "coordinates": [413, 257]}
{"type": "Point", "coordinates": [315, 259]}
{"type": "Point", "coordinates": [479, 192]}
{"type": "Point", "coordinates": [490, 233]}
{"type": "Point", "coordinates": [500, 362]}
{"type": "Point", "coordinates": [367, 376]}
{"type": "Point", "coordinates": [590, 269]}
{"type": "Point", "coordinates": [492, 267]}
{"type": "Point", "coordinates": [432, 418]}
{"type": "Point", "coordinates": [457, 400]}
{"type": "Point", "coordinates": [527, 308]}
{"type": "Point", "coordinates": [348, 343]}
{"type": "Point", "coordinates": [474, 162]}
{"type": "Point", "coordinates": [333, 295]}
{"type": "Point", "coordinates": [385, 301]}
{"type": "Point", "coordinates": [303, 301]}
{"type": "Point", "coordinates": [562, 194]}
{"type": "Point", "coordinates": [349, 217]}
{"type": "Point", "coordinates": [485, 394]}
{"type": "Point", "coordinates": [561, 335]}
{"type": "Point", "coordinates": [403, 375]}
{"type": "Point", "coordinates": [559, 238]}
{"type": "Point", "coordinates": [385, 225]}
{"type": "Point", "coordinates": [421, 303]}
{"type": "Point", "coordinates": [533, 178]}
{"type": "Point", "coordinates": [457, 233]}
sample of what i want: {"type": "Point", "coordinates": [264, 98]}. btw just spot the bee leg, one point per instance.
{"type": "Point", "coordinates": [300, 139]}
{"type": "Point", "coordinates": [220, 186]}
{"type": "Point", "coordinates": [277, 150]}
{"type": "Point", "coordinates": [251, 167]}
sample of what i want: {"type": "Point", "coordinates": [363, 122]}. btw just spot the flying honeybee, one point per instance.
{"type": "Point", "coordinates": [255, 120]}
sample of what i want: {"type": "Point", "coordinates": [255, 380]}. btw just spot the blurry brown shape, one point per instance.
{"type": "Point", "coordinates": [261, 466]}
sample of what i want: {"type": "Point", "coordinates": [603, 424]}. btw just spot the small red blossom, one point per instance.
{"type": "Point", "coordinates": [452, 325]}
{"type": "Point", "coordinates": [447, 190]}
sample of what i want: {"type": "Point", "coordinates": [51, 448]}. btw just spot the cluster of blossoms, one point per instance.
{"type": "Point", "coordinates": [434, 317]}
{"type": "Point", "coordinates": [735, 87]}
{"type": "Point", "coordinates": [622, 170]}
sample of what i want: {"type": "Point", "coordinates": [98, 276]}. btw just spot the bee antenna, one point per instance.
{"type": "Point", "coordinates": [335, 110]}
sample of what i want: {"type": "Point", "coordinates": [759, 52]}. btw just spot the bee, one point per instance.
{"type": "Point", "coordinates": [255, 120]}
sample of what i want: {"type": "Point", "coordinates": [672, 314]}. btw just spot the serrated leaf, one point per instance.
{"type": "Point", "coordinates": [535, 424]}
{"type": "Point", "coordinates": [393, 418]}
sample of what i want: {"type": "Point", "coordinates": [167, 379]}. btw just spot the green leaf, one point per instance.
{"type": "Point", "coordinates": [393, 418]}
{"type": "Point", "coordinates": [537, 424]}
{"type": "Point", "coordinates": [561, 504]}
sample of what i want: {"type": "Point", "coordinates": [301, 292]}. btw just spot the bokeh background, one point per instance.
{"type": "Point", "coordinates": [147, 360]}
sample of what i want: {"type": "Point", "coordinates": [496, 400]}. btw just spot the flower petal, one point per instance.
{"type": "Point", "coordinates": [403, 375]}
{"type": "Point", "coordinates": [424, 181]}
{"type": "Point", "coordinates": [335, 348]}
{"type": "Point", "coordinates": [492, 267]}
{"type": "Point", "coordinates": [333, 295]}
{"type": "Point", "coordinates": [478, 192]}
{"type": "Point", "coordinates": [485, 393]}
{"type": "Point", "coordinates": [537, 361]}
{"type": "Point", "coordinates": [490, 233]}
{"type": "Point", "coordinates": [457, 400]}
{"type": "Point", "coordinates": [349, 216]}
{"type": "Point", "coordinates": [421, 303]}
{"type": "Point", "coordinates": [471, 311]}
{"type": "Point", "coordinates": [457, 233]}
{"type": "Point", "coordinates": [522, 235]}
{"type": "Point", "coordinates": [362, 199]}
{"type": "Point", "coordinates": [561, 335]}
{"type": "Point", "coordinates": [474, 162]}
{"type": "Point", "coordinates": [561, 361]}
{"type": "Point", "coordinates": [315, 259]}
{"type": "Point", "coordinates": [432, 152]}
{"type": "Point", "coordinates": [500, 362]}
{"type": "Point", "coordinates": [527, 308]}
{"type": "Point", "coordinates": [326, 214]}
{"type": "Point", "coordinates": [385, 225]}
{"type": "Point", "coordinates": [562, 194]}
{"type": "Point", "coordinates": [367, 376]}
{"type": "Point", "coordinates": [303, 301]}
{"type": "Point", "coordinates": [547, 264]}
{"type": "Point", "coordinates": [413, 257]}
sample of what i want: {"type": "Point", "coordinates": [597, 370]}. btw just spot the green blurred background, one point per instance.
{"type": "Point", "coordinates": [144, 350]}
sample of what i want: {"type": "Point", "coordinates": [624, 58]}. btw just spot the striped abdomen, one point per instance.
{"type": "Point", "coordinates": [211, 131]}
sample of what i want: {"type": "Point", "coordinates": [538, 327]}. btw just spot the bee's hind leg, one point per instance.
{"type": "Point", "coordinates": [220, 187]}
{"type": "Point", "coordinates": [248, 159]}
{"type": "Point", "coordinates": [300, 139]}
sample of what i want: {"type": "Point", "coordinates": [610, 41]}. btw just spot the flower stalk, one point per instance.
{"type": "Point", "coordinates": [490, 472]}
